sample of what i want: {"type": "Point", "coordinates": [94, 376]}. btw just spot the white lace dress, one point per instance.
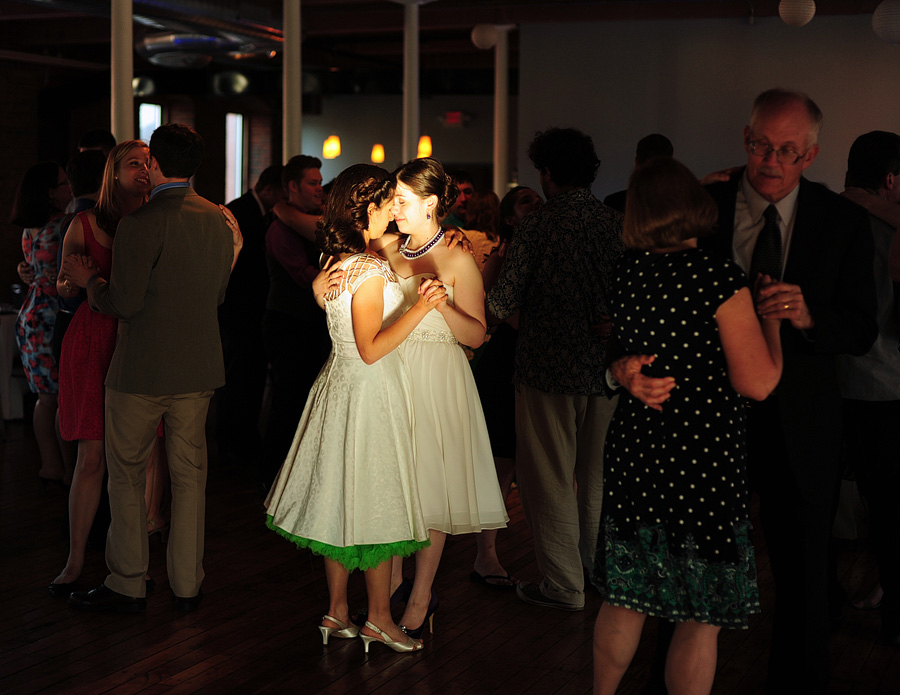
{"type": "Point", "coordinates": [454, 464]}
{"type": "Point", "coordinates": [347, 489]}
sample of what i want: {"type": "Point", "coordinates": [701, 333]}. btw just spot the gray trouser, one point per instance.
{"type": "Point", "coordinates": [559, 469]}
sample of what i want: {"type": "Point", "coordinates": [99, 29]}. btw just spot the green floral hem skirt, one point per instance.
{"type": "Point", "coordinates": [353, 557]}
{"type": "Point", "coordinates": [648, 575]}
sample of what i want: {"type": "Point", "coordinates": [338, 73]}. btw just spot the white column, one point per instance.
{"type": "Point", "coordinates": [410, 80]}
{"type": "Point", "coordinates": [121, 117]}
{"type": "Point", "coordinates": [292, 83]}
{"type": "Point", "coordinates": [501, 110]}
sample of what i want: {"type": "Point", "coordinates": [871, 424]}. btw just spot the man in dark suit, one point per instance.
{"type": "Point", "coordinates": [808, 255]}
{"type": "Point", "coordinates": [171, 263]}
{"type": "Point", "coordinates": [239, 402]}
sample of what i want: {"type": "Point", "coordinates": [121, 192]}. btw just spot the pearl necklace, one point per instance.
{"type": "Point", "coordinates": [418, 253]}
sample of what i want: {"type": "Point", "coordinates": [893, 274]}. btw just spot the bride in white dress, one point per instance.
{"type": "Point", "coordinates": [348, 488]}
{"type": "Point", "coordinates": [455, 470]}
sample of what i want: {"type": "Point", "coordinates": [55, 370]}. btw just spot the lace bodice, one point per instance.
{"type": "Point", "coordinates": [357, 270]}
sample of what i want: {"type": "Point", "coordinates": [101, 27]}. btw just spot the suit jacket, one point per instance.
{"type": "Point", "coordinates": [171, 263]}
{"type": "Point", "coordinates": [830, 258]}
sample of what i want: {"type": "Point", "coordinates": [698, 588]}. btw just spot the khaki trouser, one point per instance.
{"type": "Point", "coordinates": [559, 469]}
{"type": "Point", "coordinates": [131, 425]}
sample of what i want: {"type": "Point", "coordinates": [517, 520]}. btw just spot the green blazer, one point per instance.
{"type": "Point", "coordinates": [171, 264]}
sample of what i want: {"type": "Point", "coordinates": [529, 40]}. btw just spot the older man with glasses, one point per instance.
{"type": "Point", "coordinates": [808, 255]}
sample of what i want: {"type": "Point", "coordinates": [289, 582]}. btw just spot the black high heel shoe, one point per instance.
{"type": "Point", "coordinates": [416, 633]}
{"type": "Point", "coordinates": [62, 590]}
{"type": "Point", "coordinates": [401, 595]}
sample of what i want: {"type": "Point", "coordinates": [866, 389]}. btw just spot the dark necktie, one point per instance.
{"type": "Point", "coordinates": [767, 252]}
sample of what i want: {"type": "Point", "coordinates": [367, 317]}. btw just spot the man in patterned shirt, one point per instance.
{"type": "Point", "coordinates": [557, 274]}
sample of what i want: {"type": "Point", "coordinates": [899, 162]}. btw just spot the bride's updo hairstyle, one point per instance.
{"type": "Point", "coordinates": [666, 205]}
{"type": "Point", "coordinates": [425, 177]}
{"type": "Point", "coordinates": [347, 209]}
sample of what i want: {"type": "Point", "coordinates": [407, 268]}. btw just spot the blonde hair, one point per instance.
{"type": "Point", "coordinates": [107, 209]}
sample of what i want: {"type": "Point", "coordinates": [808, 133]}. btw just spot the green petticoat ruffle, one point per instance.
{"type": "Point", "coordinates": [353, 557]}
{"type": "Point", "coordinates": [648, 575]}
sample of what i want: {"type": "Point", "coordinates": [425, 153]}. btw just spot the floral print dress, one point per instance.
{"type": "Point", "coordinates": [34, 325]}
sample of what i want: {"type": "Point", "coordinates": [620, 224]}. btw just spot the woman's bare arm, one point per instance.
{"type": "Point", "coordinates": [752, 346]}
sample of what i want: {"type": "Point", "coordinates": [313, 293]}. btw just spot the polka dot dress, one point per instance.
{"type": "Point", "coordinates": [675, 533]}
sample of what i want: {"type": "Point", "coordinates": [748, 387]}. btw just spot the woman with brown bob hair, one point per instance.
{"type": "Point", "coordinates": [347, 490]}
{"type": "Point", "coordinates": [674, 537]}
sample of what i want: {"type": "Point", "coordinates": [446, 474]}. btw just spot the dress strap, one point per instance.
{"type": "Point", "coordinates": [88, 229]}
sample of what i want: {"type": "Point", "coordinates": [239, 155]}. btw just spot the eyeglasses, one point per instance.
{"type": "Point", "coordinates": [784, 156]}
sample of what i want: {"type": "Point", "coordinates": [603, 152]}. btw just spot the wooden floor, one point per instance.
{"type": "Point", "coordinates": [256, 629]}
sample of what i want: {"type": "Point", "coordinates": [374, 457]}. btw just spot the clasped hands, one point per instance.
{"type": "Point", "coordinates": [781, 300]}
{"type": "Point", "coordinates": [78, 269]}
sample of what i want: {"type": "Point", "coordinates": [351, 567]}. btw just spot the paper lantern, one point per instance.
{"type": "Point", "coordinates": [886, 21]}
{"type": "Point", "coordinates": [484, 36]}
{"type": "Point", "coordinates": [797, 12]}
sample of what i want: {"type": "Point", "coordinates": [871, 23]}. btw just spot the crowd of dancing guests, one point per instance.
{"type": "Point", "coordinates": [603, 362]}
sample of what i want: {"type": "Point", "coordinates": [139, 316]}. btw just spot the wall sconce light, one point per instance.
{"type": "Point", "coordinates": [797, 13]}
{"type": "Point", "coordinates": [331, 149]}
{"type": "Point", "coordinates": [424, 147]}
{"type": "Point", "coordinates": [377, 153]}
{"type": "Point", "coordinates": [886, 21]}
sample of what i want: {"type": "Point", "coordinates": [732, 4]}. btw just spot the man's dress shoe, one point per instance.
{"type": "Point", "coordinates": [105, 600]}
{"type": "Point", "coordinates": [186, 605]}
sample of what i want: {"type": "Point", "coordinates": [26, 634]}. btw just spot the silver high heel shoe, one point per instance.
{"type": "Point", "coordinates": [410, 645]}
{"type": "Point", "coordinates": [343, 631]}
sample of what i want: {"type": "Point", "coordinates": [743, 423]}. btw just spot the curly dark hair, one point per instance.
{"type": "Point", "coordinates": [567, 155]}
{"type": "Point", "coordinates": [347, 208]}
{"type": "Point", "coordinates": [425, 176]}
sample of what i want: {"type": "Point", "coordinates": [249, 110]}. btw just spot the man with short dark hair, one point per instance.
{"type": "Point", "coordinates": [239, 402]}
{"type": "Point", "coordinates": [457, 216]}
{"type": "Point", "coordinates": [97, 139]}
{"type": "Point", "coordinates": [171, 263]}
{"type": "Point", "coordinates": [870, 384]}
{"type": "Point", "coordinates": [558, 274]}
{"type": "Point", "coordinates": [648, 147]}
{"type": "Point", "coordinates": [294, 329]}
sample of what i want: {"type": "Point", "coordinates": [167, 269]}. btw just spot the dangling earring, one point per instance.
{"type": "Point", "coordinates": [428, 215]}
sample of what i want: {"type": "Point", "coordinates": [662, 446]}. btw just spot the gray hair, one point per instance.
{"type": "Point", "coordinates": [775, 99]}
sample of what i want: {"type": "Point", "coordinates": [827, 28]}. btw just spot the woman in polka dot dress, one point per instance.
{"type": "Point", "coordinates": [675, 532]}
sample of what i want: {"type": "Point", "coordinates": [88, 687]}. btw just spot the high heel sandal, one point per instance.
{"type": "Point", "coordinates": [344, 631]}
{"type": "Point", "coordinates": [400, 595]}
{"type": "Point", "coordinates": [410, 645]}
{"type": "Point", "coordinates": [416, 633]}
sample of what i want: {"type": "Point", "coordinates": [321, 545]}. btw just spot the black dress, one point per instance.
{"type": "Point", "coordinates": [675, 530]}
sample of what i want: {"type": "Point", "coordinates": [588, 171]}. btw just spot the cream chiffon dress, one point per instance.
{"type": "Point", "coordinates": [454, 466]}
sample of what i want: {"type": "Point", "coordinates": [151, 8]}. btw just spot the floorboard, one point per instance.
{"type": "Point", "coordinates": [256, 629]}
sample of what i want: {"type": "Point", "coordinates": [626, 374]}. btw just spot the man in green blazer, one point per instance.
{"type": "Point", "coordinates": [171, 263]}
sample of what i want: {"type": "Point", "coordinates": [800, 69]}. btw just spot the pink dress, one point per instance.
{"type": "Point", "coordinates": [86, 352]}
